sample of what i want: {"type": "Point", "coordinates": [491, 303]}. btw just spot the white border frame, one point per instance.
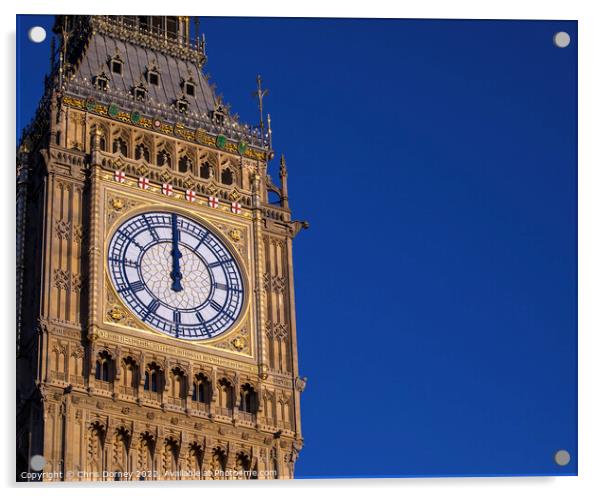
{"type": "Point", "coordinates": [590, 235]}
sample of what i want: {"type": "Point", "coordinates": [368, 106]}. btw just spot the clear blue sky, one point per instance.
{"type": "Point", "coordinates": [436, 162]}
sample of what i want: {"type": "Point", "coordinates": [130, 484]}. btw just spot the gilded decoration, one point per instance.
{"type": "Point", "coordinates": [193, 135]}
{"type": "Point", "coordinates": [142, 169]}
{"type": "Point", "coordinates": [119, 205]}
{"type": "Point", "coordinates": [239, 344]}
{"type": "Point", "coordinates": [211, 189]}
{"type": "Point", "coordinates": [189, 182]}
{"type": "Point", "coordinates": [238, 237]}
{"type": "Point", "coordinates": [117, 313]}
{"type": "Point", "coordinates": [166, 176]}
{"type": "Point", "coordinates": [235, 235]}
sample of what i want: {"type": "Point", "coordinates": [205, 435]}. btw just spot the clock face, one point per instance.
{"type": "Point", "coordinates": [176, 275]}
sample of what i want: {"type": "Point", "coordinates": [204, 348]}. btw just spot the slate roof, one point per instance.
{"type": "Point", "coordinates": [136, 61]}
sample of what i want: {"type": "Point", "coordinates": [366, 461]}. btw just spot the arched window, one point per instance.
{"type": "Point", "coordinates": [227, 176]}
{"type": "Point", "coordinates": [130, 373]}
{"type": "Point", "coordinates": [206, 170]}
{"type": "Point", "coordinates": [201, 390]}
{"type": "Point", "coordinates": [142, 152]}
{"type": "Point", "coordinates": [178, 384]}
{"type": "Point", "coordinates": [225, 393]}
{"type": "Point", "coordinates": [248, 399]}
{"type": "Point", "coordinates": [152, 378]}
{"type": "Point", "coordinates": [184, 164]}
{"type": "Point", "coordinates": [163, 158]}
{"type": "Point", "coordinates": [103, 367]}
{"type": "Point", "coordinates": [120, 146]}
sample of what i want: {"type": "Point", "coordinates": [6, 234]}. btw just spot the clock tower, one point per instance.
{"type": "Point", "coordinates": [156, 332]}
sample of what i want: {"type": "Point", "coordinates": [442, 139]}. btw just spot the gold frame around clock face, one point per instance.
{"type": "Point", "coordinates": [214, 233]}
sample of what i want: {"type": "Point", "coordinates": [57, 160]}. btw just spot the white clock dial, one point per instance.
{"type": "Point", "coordinates": [176, 275]}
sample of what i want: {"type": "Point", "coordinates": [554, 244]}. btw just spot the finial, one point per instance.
{"type": "Point", "coordinates": [260, 93]}
{"type": "Point", "coordinates": [269, 131]}
{"type": "Point", "coordinates": [283, 172]}
{"type": "Point", "coordinates": [283, 183]}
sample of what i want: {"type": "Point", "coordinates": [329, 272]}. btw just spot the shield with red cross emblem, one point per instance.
{"type": "Point", "coordinates": [190, 195]}
{"type": "Point", "coordinates": [143, 183]}
{"type": "Point", "coordinates": [167, 189]}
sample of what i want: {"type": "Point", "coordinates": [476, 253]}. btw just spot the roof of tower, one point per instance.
{"type": "Point", "coordinates": [137, 61]}
{"type": "Point", "coordinates": [90, 45]}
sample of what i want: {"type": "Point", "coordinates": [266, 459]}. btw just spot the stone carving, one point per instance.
{"type": "Point", "coordinates": [62, 279]}
{"type": "Point", "coordinates": [118, 205]}
{"type": "Point", "coordinates": [76, 282]}
{"type": "Point", "coordinates": [116, 314]}
{"type": "Point", "coordinates": [276, 330]}
{"type": "Point", "coordinates": [62, 229]}
{"type": "Point", "coordinates": [274, 283]}
{"type": "Point", "coordinates": [300, 383]}
{"type": "Point", "coordinates": [78, 233]}
{"type": "Point", "coordinates": [239, 343]}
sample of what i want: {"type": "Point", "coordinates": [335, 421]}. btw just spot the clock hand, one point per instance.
{"type": "Point", "coordinates": [176, 275]}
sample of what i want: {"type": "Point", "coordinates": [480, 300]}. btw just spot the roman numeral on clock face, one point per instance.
{"type": "Point", "coordinates": [216, 306]}
{"type": "Point", "coordinates": [151, 308]}
{"type": "Point", "coordinates": [137, 286]}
